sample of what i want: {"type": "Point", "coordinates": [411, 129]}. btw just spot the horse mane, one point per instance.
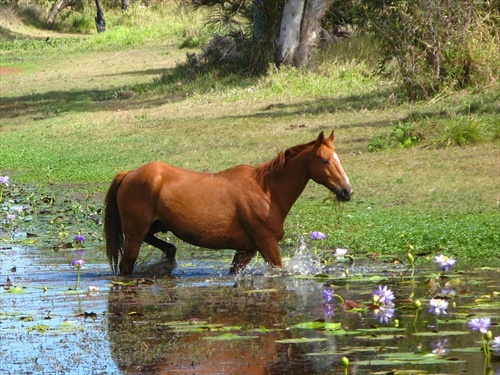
{"type": "Point", "coordinates": [266, 171]}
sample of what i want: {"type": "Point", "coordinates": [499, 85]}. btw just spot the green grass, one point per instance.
{"type": "Point", "coordinates": [83, 107]}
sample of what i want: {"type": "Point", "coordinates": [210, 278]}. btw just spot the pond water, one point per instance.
{"type": "Point", "coordinates": [200, 320]}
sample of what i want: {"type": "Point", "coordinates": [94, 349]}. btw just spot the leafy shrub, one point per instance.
{"type": "Point", "coordinates": [463, 131]}
{"type": "Point", "coordinates": [406, 135]}
{"type": "Point", "coordinates": [378, 143]}
{"type": "Point", "coordinates": [403, 135]}
{"type": "Point", "coordinates": [435, 43]}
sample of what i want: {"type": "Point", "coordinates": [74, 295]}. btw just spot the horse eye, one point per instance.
{"type": "Point", "coordinates": [325, 161]}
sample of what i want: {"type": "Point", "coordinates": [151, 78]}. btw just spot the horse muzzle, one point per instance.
{"type": "Point", "coordinates": [344, 194]}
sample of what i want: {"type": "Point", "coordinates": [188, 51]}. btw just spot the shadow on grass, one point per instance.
{"type": "Point", "coordinates": [178, 83]}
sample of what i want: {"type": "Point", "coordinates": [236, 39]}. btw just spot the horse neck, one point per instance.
{"type": "Point", "coordinates": [288, 184]}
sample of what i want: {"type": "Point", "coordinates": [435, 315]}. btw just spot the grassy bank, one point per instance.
{"type": "Point", "coordinates": [76, 109]}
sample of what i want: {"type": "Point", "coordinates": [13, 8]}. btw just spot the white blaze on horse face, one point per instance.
{"type": "Point", "coordinates": [337, 159]}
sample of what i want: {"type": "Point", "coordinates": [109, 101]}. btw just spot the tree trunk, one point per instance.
{"type": "Point", "coordinates": [310, 30]}
{"type": "Point", "coordinates": [289, 37]}
{"type": "Point", "coordinates": [58, 6]}
{"type": "Point", "coordinates": [300, 31]}
{"type": "Point", "coordinates": [100, 23]}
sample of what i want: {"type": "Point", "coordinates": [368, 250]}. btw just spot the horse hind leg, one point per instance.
{"type": "Point", "coordinates": [134, 233]}
{"type": "Point", "coordinates": [167, 248]}
{"type": "Point", "coordinates": [130, 254]}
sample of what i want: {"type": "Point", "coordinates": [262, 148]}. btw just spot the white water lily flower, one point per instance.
{"type": "Point", "coordinates": [340, 253]}
{"type": "Point", "coordinates": [93, 289]}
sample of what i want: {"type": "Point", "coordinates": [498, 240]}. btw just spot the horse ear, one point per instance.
{"type": "Point", "coordinates": [320, 139]}
{"type": "Point", "coordinates": [332, 136]}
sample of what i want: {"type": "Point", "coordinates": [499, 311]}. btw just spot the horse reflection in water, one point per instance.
{"type": "Point", "coordinates": [241, 208]}
{"type": "Point", "coordinates": [143, 339]}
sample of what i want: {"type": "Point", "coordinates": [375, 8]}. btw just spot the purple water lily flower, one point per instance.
{"type": "Point", "coordinates": [440, 347]}
{"type": "Point", "coordinates": [383, 296]}
{"type": "Point", "coordinates": [4, 180]}
{"type": "Point", "coordinates": [495, 344]}
{"type": "Point", "coordinates": [384, 314]}
{"type": "Point", "coordinates": [480, 324]}
{"type": "Point", "coordinates": [317, 236]}
{"type": "Point", "coordinates": [77, 263]}
{"type": "Point", "coordinates": [445, 262]}
{"type": "Point", "coordinates": [10, 217]}
{"type": "Point", "coordinates": [328, 295]}
{"type": "Point", "coordinates": [80, 238]}
{"type": "Point", "coordinates": [438, 306]}
{"type": "Point", "coordinates": [328, 310]}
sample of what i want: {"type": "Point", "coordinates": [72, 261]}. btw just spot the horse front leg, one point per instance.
{"type": "Point", "coordinates": [241, 260]}
{"type": "Point", "coordinates": [270, 251]}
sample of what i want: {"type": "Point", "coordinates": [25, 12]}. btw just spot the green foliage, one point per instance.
{"type": "Point", "coordinates": [464, 131]}
{"type": "Point", "coordinates": [142, 109]}
{"type": "Point", "coordinates": [435, 44]}
{"type": "Point", "coordinates": [395, 230]}
{"type": "Point", "coordinates": [403, 135]}
{"type": "Point", "coordinates": [378, 143]}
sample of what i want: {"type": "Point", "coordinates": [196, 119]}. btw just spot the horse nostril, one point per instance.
{"type": "Point", "coordinates": [346, 194]}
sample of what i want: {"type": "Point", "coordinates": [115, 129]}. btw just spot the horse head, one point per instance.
{"type": "Point", "coordinates": [326, 168]}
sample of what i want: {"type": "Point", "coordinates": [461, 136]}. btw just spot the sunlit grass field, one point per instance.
{"type": "Point", "coordinates": [77, 108]}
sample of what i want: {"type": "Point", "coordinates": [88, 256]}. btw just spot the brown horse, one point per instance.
{"type": "Point", "coordinates": [241, 208]}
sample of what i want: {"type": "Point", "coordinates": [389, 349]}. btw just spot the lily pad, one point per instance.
{"type": "Point", "coordinates": [16, 290]}
{"type": "Point", "coordinates": [300, 340]}
{"type": "Point", "coordinates": [405, 358]}
{"type": "Point", "coordinates": [39, 328]}
{"type": "Point", "coordinates": [198, 326]}
{"type": "Point", "coordinates": [229, 337]}
{"type": "Point", "coordinates": [441, 333]}
{"type": "Point", "coordinates": [319, 325]}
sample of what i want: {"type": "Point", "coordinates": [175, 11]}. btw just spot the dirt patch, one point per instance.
{"type": "Point", "coordinates": [9, 70]}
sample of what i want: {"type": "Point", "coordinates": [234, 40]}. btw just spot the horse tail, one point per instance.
{"type": "Point", "coordinates": [113, 232]}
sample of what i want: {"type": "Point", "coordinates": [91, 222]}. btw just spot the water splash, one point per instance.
{"type": "Point", "coordinates": [304, 261]}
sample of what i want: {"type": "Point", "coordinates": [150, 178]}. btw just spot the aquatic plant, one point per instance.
{"type": "Point", "coordinates": [317, 236]}
{"type": "Point", "coordinates": [92, 289]}
{"type": "Point", "coordinates": [479, 324]}
{"type": "Point", "coordinates": [344, 361]}
{"type": "Point", "coordinates": [445, 262]}
{"type": "Point", "coordinates": [340, 253]}
{"type": "Point", "coordinates": [77, 264]}
{"type": "Point", "coordinates": [79, 239]}
{"type": "Point", "coordinates": [418, 305]}
{"type": "Point", "coordinates": [384, 314]}
{"type": "Point", "coordinates": [495, 345]}
{"type": "Point", "coordinates": [11, 222]}
{"type": "Point", "coordinates": [440, 347]}
{"type": "Point", "coordinates": [328, 295]}
{"type": "Point", "coordinates": [4, 182]}
{"type": "Point", "coordinates": [412, 262]}
{"type": "Point", "coordinates": [438, 306]}
{"type": "Point", "coordinates": [328, 310]}
{"type": "Point", "coordinates": [383, 296]}
{"type": "Point", "coordinates": [482, 325]}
